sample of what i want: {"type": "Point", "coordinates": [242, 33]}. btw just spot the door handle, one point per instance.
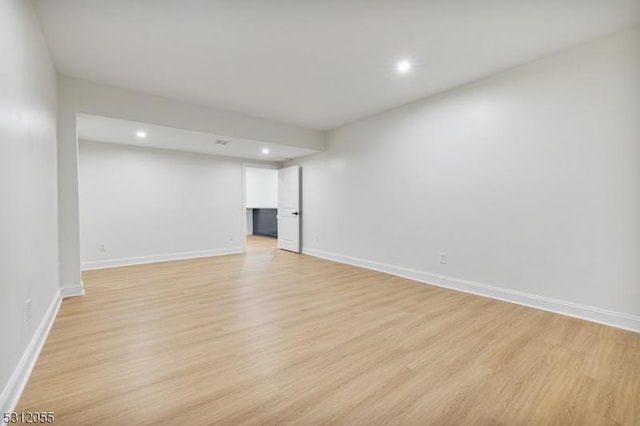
{"type": "Point", "coordinates": [295, 213]}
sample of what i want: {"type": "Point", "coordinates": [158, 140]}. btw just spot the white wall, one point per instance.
{"type": "Point", "coordinates": [28, 207]}
{"type": "Point", "coordinates": [261, 188]}
{"type": "Point", "coordinates": [77, 96]}
{"type": "Point", "coordinates": [528, 180]}
{"type": "Point", "coordinates": [147, 205]}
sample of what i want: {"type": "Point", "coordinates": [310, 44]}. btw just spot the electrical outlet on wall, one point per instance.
{"type": "Point", "coordinates": [443, 258]}
{"type": "Point", "coordinates": [101, 247]}
{"type": "Point", "coordinates": [317, 238]}
{"type": "Point", "coordinates": [28, 310]}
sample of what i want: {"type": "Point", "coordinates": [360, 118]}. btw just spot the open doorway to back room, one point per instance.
{"type": "Point", "coordinates": [261, 203]}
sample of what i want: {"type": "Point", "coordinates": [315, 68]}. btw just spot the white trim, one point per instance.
{"type": "Point", "coordinates": [74, 291]}
{"type": "Point", "coordinates": [13, 390]}
{"type": "Point", "coordinates": [256, 165]}
{"type": "Point", "coordinates": [589, 313]}
{"type": "Point", "coordinates": [128, 261]}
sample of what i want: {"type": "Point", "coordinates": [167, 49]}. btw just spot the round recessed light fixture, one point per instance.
{"type": "Point", "coordinates": [141, 134]}
{"type": "Point", "coordinates": [265, 151]}
{"type": "Point", "coordinates": [403, 67]}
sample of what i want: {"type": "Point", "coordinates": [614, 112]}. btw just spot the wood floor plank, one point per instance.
{"type": "Point", "coordinates": [271, 337]}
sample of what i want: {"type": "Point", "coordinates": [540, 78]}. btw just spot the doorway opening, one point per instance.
{"type": "Point", "coordinates": [261, 200]}
{"type": "Point", "coordinates": [272, 204]}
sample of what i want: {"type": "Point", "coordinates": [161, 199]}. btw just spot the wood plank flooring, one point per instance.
{"type": "Point", "coordinates": [271, 337]}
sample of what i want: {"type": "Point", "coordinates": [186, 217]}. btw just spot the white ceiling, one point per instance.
{"type": "Point", "coordinates": [317, 64]}
{"type": "Point", "coordinates": [123, 132]}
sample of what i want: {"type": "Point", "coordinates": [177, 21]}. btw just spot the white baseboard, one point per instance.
{"type": "Point", "coordinates": [589, 313]}
{"type": "Point", "coordinates": [72, 291]}
{"type": "Point", "coordinates": [129, 261]}
{"type": "Point", "coordinates": [13, 390]}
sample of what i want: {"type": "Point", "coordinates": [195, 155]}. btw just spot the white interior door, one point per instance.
{"type": "Point", "coordinates": [289, 209]}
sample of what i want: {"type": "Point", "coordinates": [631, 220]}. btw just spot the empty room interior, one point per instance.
{"type": "Point", "coordinates": [320, 212]}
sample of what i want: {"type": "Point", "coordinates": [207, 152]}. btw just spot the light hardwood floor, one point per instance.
{"type": "Point", "coordinates": [272, 337]}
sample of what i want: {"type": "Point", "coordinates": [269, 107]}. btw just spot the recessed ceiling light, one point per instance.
{"type": "Point", "coordinates": [141, 134]}
{"type": "Point", "coordinates": [403, 67]}
{"type": "Point", "coordinates": [265, 150]}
